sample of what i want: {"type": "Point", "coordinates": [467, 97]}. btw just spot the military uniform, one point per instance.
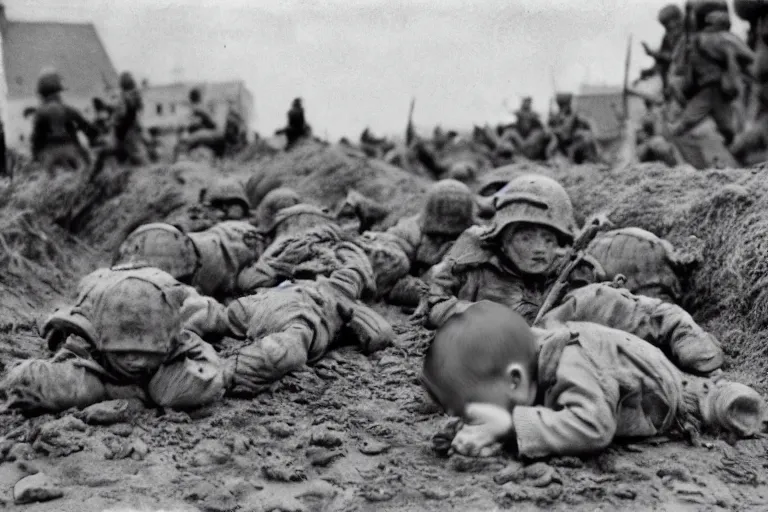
{"type": "Point", "coordinates": [475, 268]}
{"type": "Point", "coordinates": [225, 199]}
{"type": "Point", "coordinates": [596, 383]}
{"type": "Point", "coordinates": [296, 323]}
{"type": "Point", "coordinates": [301, 243]}
{"type": "Point", "coordinates": [751, 146]}
{"type": "Point", "coordinates": [708, 69]}
{"type": "Point", "coordinates": [55, 128]}
{"type": "Point", "coordinates": [210, 260]}
{"type": "Point", "coordinates": [660, 323]}
{"type": "Point", "coordinates": [668, 15]}
{"type": "Point", "coordinates": [528, 133]}
{"type": "Point", "coordinates": [123, 311]}
{"type": "Point", "coordinates": [572, 133]}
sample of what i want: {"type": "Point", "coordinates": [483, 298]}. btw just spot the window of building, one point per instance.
{"type": "Point", "coordinates": [173, 108]}
{"type": "Point", "coordinates": [159, 109]}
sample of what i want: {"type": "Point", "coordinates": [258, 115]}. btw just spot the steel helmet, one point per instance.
{"type": "Point", "coordinates": [162, 246]}
{"type": "Point", "coordinates": [534, 199]}
{"type": "Point", "coordinates": [49, 82]}
{"type": "Point", "coordinates": [670, 12]}
{"type": "Point", "coordinates": [227, 191]}
{"type": "Point", "coordinates": [448, 209]}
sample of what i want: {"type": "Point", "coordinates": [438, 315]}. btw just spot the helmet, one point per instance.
{"type": "Point", "coordinates": [563, 98]}
{"type": "Point", "coordinates": [449, 208]}
{"type": "Point", "coordinates": [463, 171]}
{"type": "Point", "coordinates": [259, 185]}
{"type": "Point", "coordinates": [127, 83]}
{"type": "Point", "coordinates": [297, 218]}
{"type": "Point", "coordinates": [162, 246]}
{"type": "Point", "coordinates": [121, 310]}
{"type": "Point", "coordinates": [534, 199]}
{"type": "Point", "coordinates": [228, 191]}
{"type": "Point", "coordinates": [273, 202]}
{"type": "Point", "coordinates": [701, 8]}
{"type": "Point", "coordinates": [670, 12]}
{"type": "Point", "coordinates": [750, 10]}
{"type": "Point", "coordinates": [49, 82]}
{"type": "Point", "coordinates": [646, 261]}
{"type": "Point", "coordinates": [720, 20]}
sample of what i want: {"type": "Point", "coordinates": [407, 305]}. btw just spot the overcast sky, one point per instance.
{"type": "Point", "coordinates": [357, 63]}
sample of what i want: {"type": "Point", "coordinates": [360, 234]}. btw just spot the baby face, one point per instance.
{"type": "Point", "coordinates": [532, 248]}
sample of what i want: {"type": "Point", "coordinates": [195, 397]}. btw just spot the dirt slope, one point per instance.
{"type": "Point", "coordinates": [352, 433]}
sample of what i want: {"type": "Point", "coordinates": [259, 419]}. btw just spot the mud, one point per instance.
{"type": "Point", "coordinates": [355, 432]}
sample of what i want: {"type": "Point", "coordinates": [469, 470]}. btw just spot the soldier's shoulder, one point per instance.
{"type": "Point", "coordinates": [470, 249]}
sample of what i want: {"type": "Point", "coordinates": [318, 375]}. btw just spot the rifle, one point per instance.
{"type": "Point", "coordinates": [574, 256]}
{"type": "Point", "coordinates": [410, 132]}
{"type": "Point", "coordinates": [625, 95]}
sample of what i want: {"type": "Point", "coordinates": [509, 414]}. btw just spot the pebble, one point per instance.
{"type": "Point", "coordinates": [210, 452]}
{"type": "Point", "coordinates": [322, 457]}
{"type": "Point", "coordinates": [240, 444]}
{"type": "Point", "coordinates": [200, 491]}
{"type": "Point", "coordinates": [377, 494]}
{"type": "Point", "coordinates": [219, 502]}
{"type": "Point", "coordinates": [373, 447]}
{"type": "Point", "coordinates": [279, 471]}
{"type": "Point", "coordinates": [280, 430]}
{"type": "Point", "coordinates": [38, 487]}
{"type": "Point", "coordinates": [326, 439]}
{"type": "Point", "coordinates": [140, 449]}
{"type": "Point", "coordinates": [111, 411]}
{"type": "Point", "coordinates": [121, 429]}
{"type": "Point", "coordinates": [435, 493]}
{"type": "Point", "coordinates": [624, 492]}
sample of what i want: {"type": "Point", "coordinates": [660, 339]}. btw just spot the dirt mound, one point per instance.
{"type": "Point", "coordinates": [325, 174]}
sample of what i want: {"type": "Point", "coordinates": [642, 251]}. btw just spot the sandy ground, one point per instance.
{"type": "Point", "coordinates": [350, 433]}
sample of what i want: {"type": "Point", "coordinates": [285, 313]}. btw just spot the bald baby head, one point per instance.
{"type": "Point", "coordinates": [486, 354]}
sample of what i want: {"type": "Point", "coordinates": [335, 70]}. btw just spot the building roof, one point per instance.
{"type": "Point", "coordinates": [602, 110]}
{"type": "Point", "coordinates": [74, 49]}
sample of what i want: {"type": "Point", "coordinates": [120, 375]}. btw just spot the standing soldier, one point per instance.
{"type": "Point", "coordinates": [297, 124]}
{"type": "Point", "coordinates": [126, 141]}
{"type": "Point", "coordinates": [707, 66]}
{"type": "Point", "coordinates": [55, 128]}
{"type": "Point", "coordinates": [671, 18]}
{"type": "Point", "coordinates": [751, 146]}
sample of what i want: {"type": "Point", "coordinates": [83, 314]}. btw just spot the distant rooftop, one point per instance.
{"type": "Point", "coordinates": [74, 49]}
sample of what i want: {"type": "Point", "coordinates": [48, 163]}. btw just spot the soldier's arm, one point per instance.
{"type": "Point", "coordinates": [583, 417]}
{"type": "Point", "coordinates": [202, 315]}
{"type": "Point", "coordinates": [192, 377]}
{"type": "Point", "coordinates": [408, 235]}
{"type": "Point", "coordinates": [83, 125]}
{"type": "Point", "coordinates": [445, 284]}
{"type": "Point", "coordinates": [661, 324]}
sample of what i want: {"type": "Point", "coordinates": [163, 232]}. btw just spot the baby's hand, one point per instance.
{"type": "Point", "coordinates": [485, 425]}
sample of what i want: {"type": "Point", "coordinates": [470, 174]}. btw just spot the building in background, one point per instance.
{"type": "Point", "coordinates": [166, 107]}
{"type": "Point", "coordinates": [604, 105]}
{"type": "Point", "coordinates": [74, 49]}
